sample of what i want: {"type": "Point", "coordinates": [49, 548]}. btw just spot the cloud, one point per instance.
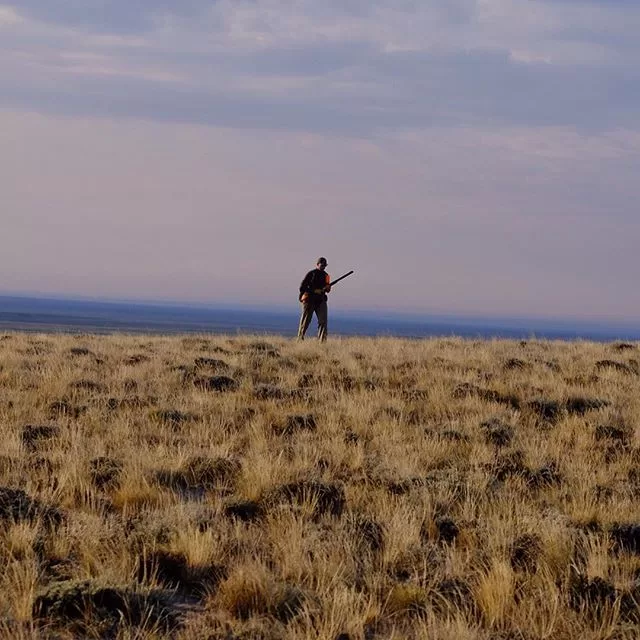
{"type": "Point", "coordinates": [8, 16]}
{"type": "Point", "coordinates": [333, 67]}
{"type": "Point", "coordinates": [116, 16]}
{"type": "Point", "coordinates": [325, 94]}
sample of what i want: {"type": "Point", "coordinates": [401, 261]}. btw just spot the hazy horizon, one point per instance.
{"type": "Point", "coordinates": [463, 156]}
{"type": "Point", "coordinates": [86, 315]}
{"type": "Point", "coordinates": [291, 308]}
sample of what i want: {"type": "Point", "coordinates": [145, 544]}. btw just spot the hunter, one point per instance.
{"type": "Point", "coordinates": [313, 296]}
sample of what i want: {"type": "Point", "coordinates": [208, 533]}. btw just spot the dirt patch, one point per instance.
{"type": "Point", "coordinates": [468, 390]}
{"type": "Point", "coordinates": [546, 410]}
{"type": "Point", "coordinates": [87, 385]}
{"type": "Point", "coordinates": [442, 529]}
{"type": "Point", "coordinates": [64, 409]}
{"type": "Point", "coordinates": [273, 392]}
{"type": "Point", "coordinates": [579, 406]}
{"type": "Point", "coordinates": [216, 383]}
{"type": "Point", "coordinates": [614, 433]}
{"type": "Point", "coordinates": [551, 411]}
{"type": "Point", "coordinates": [593, 597]}
{"type": "Point", "coordinates": [452, 595]}
{"type": "Point", "coordinates": [137, 358]}
{"type": "Point", "coordinates": [618, 367]}
{"type": "Point", "coordinates": [308, 380]}
{"type": "Point", "coordinates": [625, 538]}
{"type": "Point", "coordinates": [514, 634]}
{"type": "Point", "coordinates": [497, 432]}
{"type": "Point", "coordinates": [87, 607]}
{"type": "Point", "coordinates": [32, 436]}
{"type": "Point", "coordinates": [130, 385]}
{"type": "Point", "coordinates": [16, 506]}
{"type": "Point", "coordinates": [525, 552]}
{"type": "Point", "coordinates": [624, 346]}
{"type": "Point", "coordinates": [515, 364]}
{"type": "Point", "coordinates": [247, 511]}
{"type": "Point", "coordinates": [172, 570]}
{"type": "Point", "coordinates": [453, 435]}
{"type": "Point", "coordinates": [508, 466]}
{"type": "Point", "coordinates": [211, 363]}
{"type": "Point", "coordinates": [630, 604]}
{"type": "Point", "coordinates": [547, 475]}
{"type": "Point", "coordinates": [56, 568]}
{"type": "Point", "coordinates": [447, 529]}
{"type": "Point", "coordinates": [410, 395]}
{"type": "Point", "coordinates": [368, 534]}
{"type": "Point", "coordinates": [402, 487]}
{"type": "Point", "coordinates": [288, 603]}
{"type": "Point", "coordinates": [173, 417]}
{"type": "Point", "coordinates": [201, 474]}
{"type": "Point", "coordinates": [80, 351]}
{"type": "Point", "coordinates": [342, 381]}
{"type": "Point", "coordinates": [295, 424]}
{"type": "Point", "coordinates": [351, 437]}
{"type": "Point", "coordinates": [263, 348]}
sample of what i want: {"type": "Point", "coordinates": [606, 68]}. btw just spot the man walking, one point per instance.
{"type": "Point", "coordinates": [313, 296]}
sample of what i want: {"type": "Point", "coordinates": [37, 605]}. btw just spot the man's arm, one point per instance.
{"type": "Point", "coordinates": [306, 283]}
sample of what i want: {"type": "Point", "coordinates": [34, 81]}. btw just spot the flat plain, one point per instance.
{"type": "Point", "coordinates": [248, 487]}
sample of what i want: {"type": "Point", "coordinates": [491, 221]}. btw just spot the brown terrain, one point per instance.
{"type": "Point", "coordinates": [251, 487]}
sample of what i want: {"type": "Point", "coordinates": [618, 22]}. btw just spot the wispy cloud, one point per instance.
{"type": "Point", "coordinates": [8, 16]}
{"type": "Point", "coordinates": [381, 64]}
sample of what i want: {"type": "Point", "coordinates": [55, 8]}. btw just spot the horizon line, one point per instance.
{"type": "Point", "coordinates": [412, 315]}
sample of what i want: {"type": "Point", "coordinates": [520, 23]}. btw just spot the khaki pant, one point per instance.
{"type": "Point", "coordinates": [321, 311]}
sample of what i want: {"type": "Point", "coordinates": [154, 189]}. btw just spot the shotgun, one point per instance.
{"type": "Point", "coordinates": [340, 278]}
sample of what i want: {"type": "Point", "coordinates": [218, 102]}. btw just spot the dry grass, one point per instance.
{"type": "Point", "coordinates": [243, 487]}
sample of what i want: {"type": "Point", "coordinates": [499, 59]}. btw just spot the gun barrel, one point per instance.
{"type": "Point", "coordinates": [341, 278]}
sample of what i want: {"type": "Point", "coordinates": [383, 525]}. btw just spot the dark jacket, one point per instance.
{"type": "Point", "coordinates": [315, 279]}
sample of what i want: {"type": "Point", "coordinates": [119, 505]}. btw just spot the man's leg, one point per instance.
{"type": "Point", "coordinates": [305, 319]}
{"type": "Point", "coordinates": [322, 314]}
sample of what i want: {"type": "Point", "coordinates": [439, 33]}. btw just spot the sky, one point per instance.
{"type": "Point", "coordinates": [462, 156]}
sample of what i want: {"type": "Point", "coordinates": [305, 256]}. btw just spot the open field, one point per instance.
{"type": "Point", "coordinates": [243, 487]}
